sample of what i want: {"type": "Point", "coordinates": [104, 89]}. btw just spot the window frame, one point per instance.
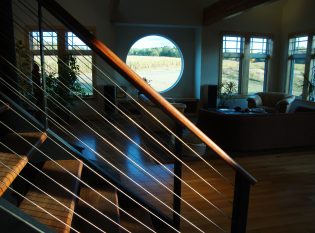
{"type": "Point", "coordinates": [245, 56]}
{"type": "Point", "coordinates": [62, 50]}
{"type": "Point", "coordinates": [309, 57]}
{"type": "Point", "coordinates": [181, 56]}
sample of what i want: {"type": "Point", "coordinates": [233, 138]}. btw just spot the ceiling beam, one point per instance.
{"type": "Point", "coordinates": [223, 9]}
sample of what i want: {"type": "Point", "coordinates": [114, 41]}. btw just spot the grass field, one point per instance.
{"type": "Point", "coordinates": [230, 72]}
{"type": "Point", "coordinates": [256, 75]}
{"type": "Point", "coordinates": [161, 72]}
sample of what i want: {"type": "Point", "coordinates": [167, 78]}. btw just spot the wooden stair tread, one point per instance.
{"type": "Point", "coordinates": [47, 203]}
{"type": "Point", "coordinates": [7, 175]}
{"type": "Point", "coordinates": [88, 195]}
{"type": "Point", "coordinates": [19, 145]}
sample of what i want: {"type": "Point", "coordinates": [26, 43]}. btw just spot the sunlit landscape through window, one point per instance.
{"type": "Point", "coordinates": [157, 60]}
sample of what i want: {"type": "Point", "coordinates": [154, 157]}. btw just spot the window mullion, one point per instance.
{"type": "Point", "coordinates": [245, 68]}
{"type": "Point", "coordinates": [61, 49]}
{"type": "Point", "coordinates": [266, 74]}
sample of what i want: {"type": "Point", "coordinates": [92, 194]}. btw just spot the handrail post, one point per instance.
{"type": "Point", "coordinates": [43, 101]}
{"type": "Point", "coordinates": [240, 204]}
{"type": "Point", "coordinates": [177, 182]}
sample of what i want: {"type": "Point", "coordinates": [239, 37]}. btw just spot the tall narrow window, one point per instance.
{"type": "Point", "coordinates": [258, 64]}
{"type": "Point", "coordinates": [297, 61]}
{"type": "Point", "coordinates": [233, 48]}
{"type": "Point", "coordinates": [50, 46]}
{"type": "Point", "coordinates": [312, 72]}
{"type": "Point", "coordinates": [83, 55]}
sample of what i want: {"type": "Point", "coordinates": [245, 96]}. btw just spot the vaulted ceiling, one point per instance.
{"type": "Point", "coordinates": [223, 9]}
{"type": "Point", "coordinates": [195, 12]}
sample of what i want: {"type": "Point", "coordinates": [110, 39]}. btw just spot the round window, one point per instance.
{"type": "Point", "coordinates": [157, 60]}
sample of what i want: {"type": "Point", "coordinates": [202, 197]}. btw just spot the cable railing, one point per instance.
{"type": "Point", "coordinates": [169, 190]}
{"type": "Point", "coordinates": [127, 117]}
{"type": "Point", "coordinates": [145, 131]}
{"type": "Point", "coordinates": [122, 110]}
{"type": "Point", "coordinates": [243, 180]}
{"type": "Point", "coordinates": [95, 152]}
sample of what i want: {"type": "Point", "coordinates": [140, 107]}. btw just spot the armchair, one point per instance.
{"type": "Point", "coordinates": [271, 101]}
{"type": "Point", "coordinates": [157, 112]}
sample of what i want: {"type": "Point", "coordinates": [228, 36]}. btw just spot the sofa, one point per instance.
{"type": "Point", "coordinates": [271, 101]}
{"type": "Point", "coordinates": [252, 132]}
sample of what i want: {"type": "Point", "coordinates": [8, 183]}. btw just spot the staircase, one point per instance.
{"type": "Point", "coordinates": [63, 173]}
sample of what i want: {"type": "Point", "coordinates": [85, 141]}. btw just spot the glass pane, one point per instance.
{"type": "Point", "coordinates": [74, 43]}
{"type": "Point", "coordinates": [312, 81]}
{"type": "Point", "coordinates": [49, 39]}
{"type": "Point", "coordinates": [51, 63]}
{"type": "Point", "coordinates": [258, 45]}
{"type": "Point", "coordinates": [85, 76]}
{"type": "Point", "coordinates": [313, 45]}
{"type": "Point", "coordinates": [231, 44]}
{"type": "Point", "coordinates": [298, 45]}
{"type": "Point", "coordinates": [298, 78]}
{"type": "Point", "coordinates": [256, 75]}
{"type": "Point", "coordinates": [230, 72]}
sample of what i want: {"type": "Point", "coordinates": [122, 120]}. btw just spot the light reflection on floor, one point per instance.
{"type": "Point", "coordinates": [91, 142]}
{"type": "Point", "coordinates": [97, 144]}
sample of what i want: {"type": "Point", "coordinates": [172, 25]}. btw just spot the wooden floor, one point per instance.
{"type": "Point", "coordinates": [283, 200]}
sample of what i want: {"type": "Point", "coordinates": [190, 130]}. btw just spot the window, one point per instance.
{"type": "Point", "coordinates": [233, 47]}
{"type": "Point", "coordinates": [244, 62]}
{"type": "Point", "coordinates": [55, 53]}
{"type": "Point", "coordinates": [301, 65]}
{"type": "Point", "coordinates": [157, 60]}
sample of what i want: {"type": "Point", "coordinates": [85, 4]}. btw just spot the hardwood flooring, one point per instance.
{"type": "Point", "coordinates": [283, 200]}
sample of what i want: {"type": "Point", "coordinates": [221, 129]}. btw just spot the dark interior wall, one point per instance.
{"type": "Point", "coordinates": [7, 48]}
{"type": "Point", "coordinates": [162, 12]}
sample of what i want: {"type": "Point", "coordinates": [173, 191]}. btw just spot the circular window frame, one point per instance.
{"type": "Point", "coordinates": [179, 51]}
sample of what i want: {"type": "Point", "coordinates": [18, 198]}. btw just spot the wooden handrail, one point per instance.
{"type": "Point", "coordinates": [116, 63]}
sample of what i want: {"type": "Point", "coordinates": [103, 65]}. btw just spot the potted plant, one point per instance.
{"type": "Point", "coordinates": [226, 91]}
{"type": "Point", "coordinates": [64, 86]}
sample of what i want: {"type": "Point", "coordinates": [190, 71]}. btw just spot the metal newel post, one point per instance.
{"type": "Point", "coordinates": [42, 61]}
{"type": "Point", "coordinates": [177, 182]}
{"type": "Point", "coordinates": [240, 204]}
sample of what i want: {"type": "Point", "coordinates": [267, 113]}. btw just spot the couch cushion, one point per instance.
{"type": "Point", "coordinates": [270, 99]}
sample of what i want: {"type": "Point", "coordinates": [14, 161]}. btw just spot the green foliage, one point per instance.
{"type": "Point", "coordinates": [64, 87]}
{"type": "Point", "coordinates": [228, 88]}
{"type": "Point", "coordinates": [226, 91]}
{"type": "Point", "coordinates": [165, 51]}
